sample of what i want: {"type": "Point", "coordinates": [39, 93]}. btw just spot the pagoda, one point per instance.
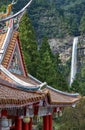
{"type": "Point", "coordinates": [22, 96]}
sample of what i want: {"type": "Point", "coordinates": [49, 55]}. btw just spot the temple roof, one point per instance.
{"type": "Point", "coordinates": [10, 96]}
{"type": "Point", "coordinates": [57, 97]}
{"type": "Point", "coordinates": [61, 99]}
{"type": "Point", "coordinates": [25, 83]}
{"type": "Point", "coordinates": [22, 89]}
{"type": "Point", "coordinates": [12, 87]}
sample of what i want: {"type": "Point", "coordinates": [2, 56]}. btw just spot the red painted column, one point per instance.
{"type": "Point", "coordinates": [18, 124]}
{"type": "Point", "coordinates": [30, 124]}
{"type": "Point", "coordinates": [4, 113]}
{"type": "Point", "coordinates": [45, 122]}
{"type": "Point", "coordinates": [50, 122]}
{"type": "Point", "coordinates": [25, 126]}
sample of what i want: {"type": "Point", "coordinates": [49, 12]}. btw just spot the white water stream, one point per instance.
{"type": "Point", "coordinates": [74, 60]}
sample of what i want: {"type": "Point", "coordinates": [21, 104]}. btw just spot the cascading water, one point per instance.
{"type": "Point", "coordinates": [74, 60]}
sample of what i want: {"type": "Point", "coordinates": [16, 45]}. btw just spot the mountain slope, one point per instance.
{"type": "Point", "coordinates": [55, 18]}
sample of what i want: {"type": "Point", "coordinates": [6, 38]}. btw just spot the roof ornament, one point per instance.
{"type": "Point", "coordinates": [16, 14]}
{"type": "Point", "coordinates": [14, 2]}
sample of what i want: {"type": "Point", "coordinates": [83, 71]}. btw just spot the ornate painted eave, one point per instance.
{"type": "Point", "coordinates": [12, 97]}
{"type": "Point", "coordinates": [18, 82]}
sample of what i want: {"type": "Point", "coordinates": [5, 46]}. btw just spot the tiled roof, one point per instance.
{"type": "Point", "coordinates": [54, 97]}
{"type": "Point", "coordinates": [27, 79]}
{"type": "Point", "coordinates": [23, 84]}
{"type": "Point", "coordinates": [9, 50]}
{"type": "Point", "coordinates": [9, 95]}
{"type": "Point", "coordinates": [61, 99]}
{"type": "Point", "coordinates": [2, 38]}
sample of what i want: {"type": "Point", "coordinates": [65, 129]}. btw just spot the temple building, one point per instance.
{"type": "Point", "coordinates": [22, 96]}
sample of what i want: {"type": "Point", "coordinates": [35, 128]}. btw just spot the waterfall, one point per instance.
{"type": "Point", "coordinates": [74, 60]}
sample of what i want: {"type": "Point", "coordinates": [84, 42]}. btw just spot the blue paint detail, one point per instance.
{"type": "Point", "coordinates": [28, 88]}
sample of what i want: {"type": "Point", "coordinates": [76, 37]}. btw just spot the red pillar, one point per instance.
{"type": "Point", "coordinates": [30, 124]}
{"type": "Point", "coordinates": [25, 126]}
{"type": "Point", "coordinates": [18, 124]}
{"type": "Point", "coordinates": [50, 122]}
{"type": "Point", "coordinates": [45, 122]}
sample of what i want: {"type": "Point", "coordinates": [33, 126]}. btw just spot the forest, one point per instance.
{"type": "Point", "coordinates": [55, 18]}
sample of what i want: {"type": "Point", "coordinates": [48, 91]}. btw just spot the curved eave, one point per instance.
{"type": "Point", "coordinates": [55, 98]}
{"type": "Point", "coordinates": [62, 103]}
{"type": "Point", "coordinates": [11, 97]}
{"type": "Point", "coordinates": [55, 90]}
{"type": "Point", "coordinates": [64, 93]}
{"type": "Point", "coordinates": [20, 83]}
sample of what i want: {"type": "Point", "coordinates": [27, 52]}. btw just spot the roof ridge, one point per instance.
{"type": "Point", "coordinates": [9, 50]}
{"type": "Point", "coordinates": [56, 90]}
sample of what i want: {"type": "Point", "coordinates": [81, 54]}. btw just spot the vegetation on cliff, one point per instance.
{"type": "Point", "coordinates": [56, 18]}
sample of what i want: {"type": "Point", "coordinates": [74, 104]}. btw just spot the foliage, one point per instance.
{"type": "Point", "coordinates": [74, 118]}
{"type": "Point", "coordinates": [43, 61]}
{"type": "Point", "coordinates": [29, 44]}
{"type": "Point", "coordinates": [79, 82]}
{"type": "Point", "coordinates": [55, 18]}
{"type": "Point", "coordinates": [3, 8]}
{"type": "Point", "coordinates": [49, 67]}
{"type": "Point", "coordinates": [82, 24]}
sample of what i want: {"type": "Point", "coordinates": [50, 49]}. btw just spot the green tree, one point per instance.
{"type": "Point", "coordinates": [79, 83]}
{"type": "Point", "coordinates": [29, 44]}
{"type": "Point", "coordinates": [74, 118]}
{"type": "Point", "coordinates": [82, 24]}
{"type": "Point", "coordinates": [46, 70]}
{"type": "Point", "coordinates": [44, 47]}
{"type": "Point", "coordinates": [3, 8]}
{"type": "Point", "coordinates": [49, 67]}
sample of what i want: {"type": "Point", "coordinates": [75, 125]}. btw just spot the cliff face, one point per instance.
{"type": "Point", "coordinates": [64, 47]}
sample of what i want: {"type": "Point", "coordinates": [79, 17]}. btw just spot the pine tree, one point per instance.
{"type": "Point", "coordinates": [49, 67]}
{"type": "Point", "coordinates": [44, 47]}
{"type": "Point", "coordinates": [46, 70]}
{"type": "Point", "coordinates": [82, 24]}
{"type": "Point", "coordinates": [29, 44]}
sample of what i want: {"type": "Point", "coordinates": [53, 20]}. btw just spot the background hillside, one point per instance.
{"type": "Point", "coordinates": [56, 18]}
